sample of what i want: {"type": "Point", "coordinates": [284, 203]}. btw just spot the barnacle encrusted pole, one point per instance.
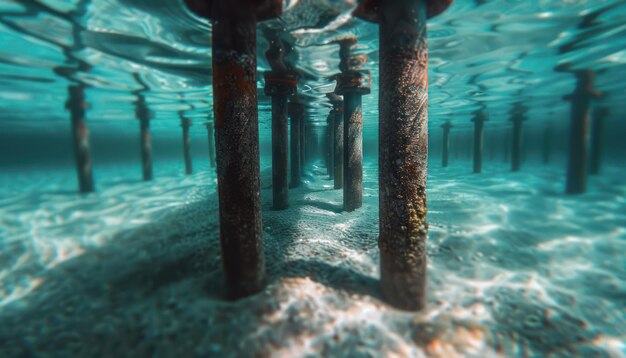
{"type": "Point", "coordinates": [237, 137]}
{"type": "Point", "coordinates": [80, 135]}
{"type": "Point", "coordinates": [518, 117]}
{"type": "Point", "coordinates": [280, 83]}
{"type": "Point", "coordinates": [597, 139]}
{"type": "Point", "coordinates": [579, 131]}
{"type": "Point", "coordinates": [446, 143]}
{"type": "Point", "coordinates": [186, 123]}
{"type": "Point", "coordinates": [352, 84]}
{"type": "Point", "coordinates": [143, 114]}
{"type": "Point", "coordinates": [296, 113]}
{"type": "Point", "coordinates": [403, 144]}
{"type": "Point", "coordinates": [479, 119]}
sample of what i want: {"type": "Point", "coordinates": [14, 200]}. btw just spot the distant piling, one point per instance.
{"type": "Point", "coordinates": [597, 139]}
{"type": "Point", "coordinates": [479, 123]}
{"type": "Point", "coordinates": [579, 132]}
{"type": "Point", "coordinates": [546, 150]}
{"type": "Point", "coordinates": [185, 123]}
{"type": "Point", "coordinates": [518, 117]}
{"type": "Point", "coordinates": [80, 135]}
{"type": "Point", "coordinates": [143, 115]}
{"type": "Point", "coordinates": [211, 140]}
{"type": "Point", "coordinates": [403, 145]}
{"type": "Point", "coordinates": [445, 150]}
{"type": "Point", "coordinates": [280, 86]}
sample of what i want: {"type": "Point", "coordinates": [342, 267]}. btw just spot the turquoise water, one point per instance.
{"type": "Point", "coordinates": [517, 268]}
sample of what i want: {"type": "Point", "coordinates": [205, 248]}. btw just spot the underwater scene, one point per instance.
{"type": "Point", "coordinates": [290, 178]}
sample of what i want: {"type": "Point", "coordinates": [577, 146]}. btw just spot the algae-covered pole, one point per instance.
{"type": "Point", "coordinates": [237, 138]}
{"type": "Point", "coordinates": [479, 124]}
{"type": "Point", "coordinates": [80, 135]}
{"type": "Point", "coordinates": [446, 143]}
{"type": "Point", "coordinates": [518, 118]}
{"type": "Point", "coordinates": [597, 139]}
{"type": "Point", "coordinates": [403, 145]}
{"type": "Point", "coordinates": [279, 86]}
{"type": "Point", "coordinates": [579, 132]}
{"type": "Point", "coordinates": [143, 115]}
{"type": "Point", "coordinates": [185, 123]}
{"type": "Point", "coordinates": [352, 83]}
{"type": "Point", "coordinates": [211, 138]}
{"type": "Point", "coordinates": [296, 112]}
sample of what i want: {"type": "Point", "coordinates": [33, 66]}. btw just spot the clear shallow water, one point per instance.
{"type": "Point", "coordinates": [516, 267]}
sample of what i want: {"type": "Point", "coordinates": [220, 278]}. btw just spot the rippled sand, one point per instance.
{"type": "Point", "coordinates": [516, 269]}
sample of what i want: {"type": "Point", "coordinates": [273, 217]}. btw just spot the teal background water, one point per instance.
{"type": "Point", "coordinates": [516, 268]}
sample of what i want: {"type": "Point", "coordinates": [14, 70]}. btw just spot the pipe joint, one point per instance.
{"type": "Point", "coordinates": [280, 84]}
{"type": "Point", "coordinates": [354, 82]}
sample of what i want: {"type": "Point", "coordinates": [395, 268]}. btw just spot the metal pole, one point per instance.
{"type": "Point", "coordinates": [80, 135]}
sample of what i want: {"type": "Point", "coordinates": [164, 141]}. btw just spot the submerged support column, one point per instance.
{"type": "Point", "coordinates": [185, 123]}
{"type": "Point", "coordinates": [279, 86]}
{"type": "Point", "coordinates": [302, 144]}
{"type": "Point", "coordinates": [479, 120]}
{"type": "Point", "coordinates": [143, 115]}
{"type": "Point", "coordinates": [403, 145]}
{"type": "Point", "coordinates": [597, 139]}
{"type": "Point", "coordinates": [579, 132]}
{"type": "Point", "coordinates": [211, 135]}
{"type": "Point", "coordinates": [237, 137]}
{"type": "Point", "coordinates": [296, 112]}
{"type": "Point", "coordinates": [446, 143]}
{"type": "Point", "coordinates": [352, 83]}
{"type": "Point", "coordinates": [80, 136]}
{"type": "Point", "coordinates": [518, 118]}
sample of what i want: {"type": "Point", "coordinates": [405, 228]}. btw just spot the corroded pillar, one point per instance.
{"type": "Point", "coordinates": [518, 117]}
{"type": "Point", "coordinates": [597, 139]}
{"type": "Point", "coordinates": [80, 135]}
{"type": "Point", "coordinates": [403, 145]}
{"type": "Point", "coordinates": [479, 124]}
{"type": "Point", "coordinates": [579, 132]}
{"type": "Point", "coordinates": [445, 144]}
{"type": "Point", "coordinates": [280, 86]}
{"type": "Point", "coordinates": [237, 137]}
{"type": "Point", "coordinates": [296, 112]}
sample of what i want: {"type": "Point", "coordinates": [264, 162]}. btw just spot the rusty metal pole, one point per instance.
{"type": "Point", "coordinates": [479, 120]}
{"type": "Point", "coordinates": [280, 86]}
{"type": "Point", "coordinates": [579, 132]}
{"type": "Point", "coordinates": [237, 137]}
{"type": "Point", "coordinates": [211, 138]}
{"type": "Point", "coordinates": [597, 139]}
{"type": "Point", "coordinates": [185, 123]}
{"type": "Point", "coordinates": [80, 134]}
{"type": "Point", "coordinates": [446, 143]}
{"type": "Point", "coordinates": [296, 112]}
{"type": "Point", "coordinates": [143, 115]}
{"type": "Point", "coordinates": [352, 84]}
{"type": "Point", "coordinates": [518, 117]}
{"type": "Point", "coordinates": [403, 145]}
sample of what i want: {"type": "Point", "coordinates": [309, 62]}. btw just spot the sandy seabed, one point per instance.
{"type": "Point", "coordinates": [516, 268]}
